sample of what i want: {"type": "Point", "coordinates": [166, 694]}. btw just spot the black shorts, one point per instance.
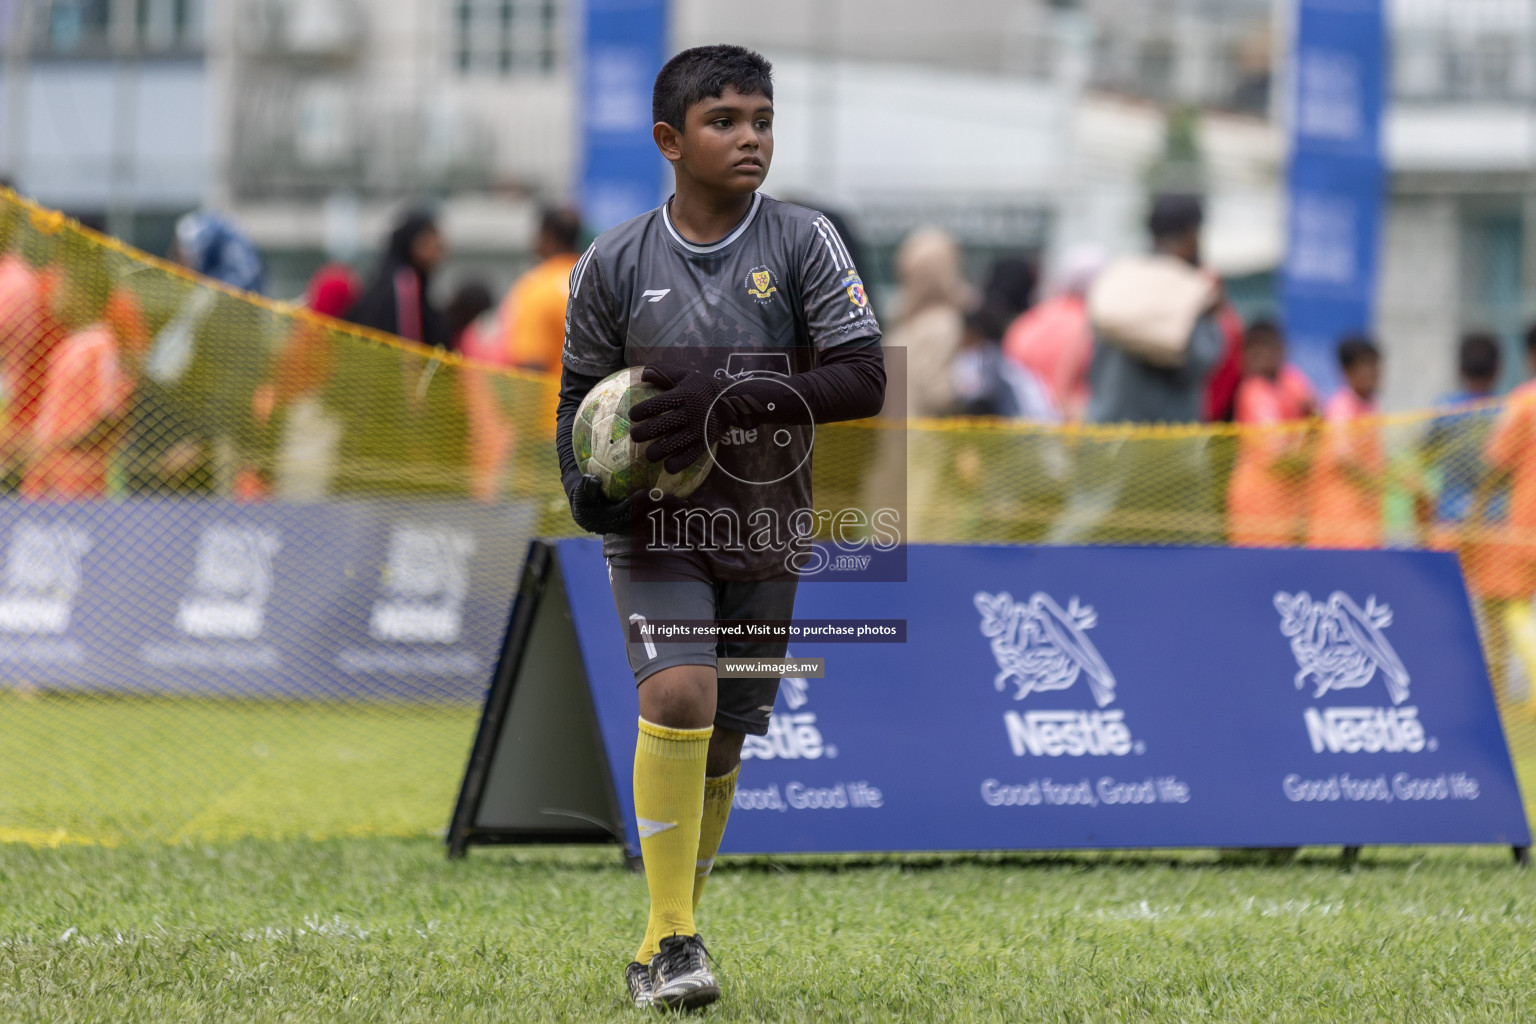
{"type": "Point", "coordinates": [689, 592]}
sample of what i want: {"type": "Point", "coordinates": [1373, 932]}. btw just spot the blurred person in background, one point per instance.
{"type": "Point", "coordinates": [1349, 469]}
{"type": "Point", "coordinates": [533, 313]}
{"type": "Point", "coordinates": [1005, 389]}
{"type": "Point", "coordinates": [194, 426]}
{"type": "Point", "coordinates": [84, 390]}
{"type": "Point", "coordinates": [1010, 288]}
{"type": "Point", "coordinates": [465, 317]}
{"type": "Point", "coordinates": [403, 425]}
{"type": "Point", "coordinates": [1273, 390]}
{"type": "Point", "coordinates": [988, 384]}
{"type": "Point", "coordinates": [1126, 386]}
{"type": "Point", "coordinates": [213, 246]}
{"type": "Point", "coordinates": [920, 350]}
{"type": "Point", "coordinates": [306, 433]}
{"type": "Point", "coordinates": [25, 342]}
{"type": "Point", "coordinates": [302, 365]}
{"type": "Point", "coordinates": [1000, 479]}
{"type": "Point", "coordinates": [332, 290]}
{"type": "Point", "coordinates": [934, 298]}
{"type": "Point", "coordinates": [1500, 558]}
{"type": "Point", "coordinates": [1452, 448]}
{"type": "Point", "coordinates": [479, 338]}
{"type": "Point", "coordinates": [1054, 340]}
{"type": "Point", "coordinates": [1156, 339]}
{"type": "Point", "coordinates": [397, 299]}
{"type": "Point", "coordinates": [1222, 385]}
{"type": "Point", "coordinates": [1266, 499]}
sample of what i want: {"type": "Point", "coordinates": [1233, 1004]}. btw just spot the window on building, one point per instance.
{"type": "Point", "coordinates": [169, 24]}
{"type": "Point", "coordinates": [1155, 68]}
{"type": "Point", "coordinates": [74, 26]}
{"type": "Point", "coordinates": [1493, 60]}
{"type": "Point", "coordinates": [1492, 269]}
{"type": "Point", "coordinates": [1418, 70]}
{"type": "Point", "coordinates": [1441, 65]}
{"type": "Point", "coordinates": [91, 27]}
{"type": "Point", "coordinates": [502, 37]}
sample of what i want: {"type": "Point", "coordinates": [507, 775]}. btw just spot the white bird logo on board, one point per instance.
{"type": "Point", "coordinates": [1339, 645]}
{"type": "Point", "coordinates": [1041, 646]}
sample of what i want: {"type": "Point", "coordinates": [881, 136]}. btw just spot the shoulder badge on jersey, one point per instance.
{"type": "Point", "coordinates": [854, 285]}
{"type": "Point", "coordinates": [762, 283]}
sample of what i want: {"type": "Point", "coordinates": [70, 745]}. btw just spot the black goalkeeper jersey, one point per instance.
{"type": "Point", "coordinates": [766, 300]}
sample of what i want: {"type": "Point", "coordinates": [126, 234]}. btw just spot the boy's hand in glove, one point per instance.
{"type": "Point", "coordinates": [674, 421]}
{"type": "Point", "coordinates": [594, 511]}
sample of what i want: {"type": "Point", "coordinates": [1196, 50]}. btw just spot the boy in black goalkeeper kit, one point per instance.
{"type": "Point", "coordinates": [751, 317]}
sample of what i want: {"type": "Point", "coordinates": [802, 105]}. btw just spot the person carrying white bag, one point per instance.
{"type": "Point", "coordinates": [1156, 341]}
{"type": "Point", "coordinates": [1156, 336]}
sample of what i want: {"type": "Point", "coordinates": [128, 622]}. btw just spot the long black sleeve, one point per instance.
{"type": "Point", "coordinates": [574, 386]}
{"type": "Point", "coordinates": [848, 385]}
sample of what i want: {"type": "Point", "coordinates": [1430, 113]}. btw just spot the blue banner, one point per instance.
{"type": "Point", "coordinates": [623, 45]}
{"type": "Point", "coordinates": [403, 600]}
{"type": "Point", "coordinates": [1337, 179]}
{"type": "Point", "coordinates": [1102, 697]}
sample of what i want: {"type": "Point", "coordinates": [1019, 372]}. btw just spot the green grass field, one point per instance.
{"type": "Point", "coordinates": [191, 860]}
{"type": "Point", "coordinates": [387, 930]}
{"type": "Point", "coordinates": [94, 769]}
{"type": "Point", "coordinates": [111, 770]}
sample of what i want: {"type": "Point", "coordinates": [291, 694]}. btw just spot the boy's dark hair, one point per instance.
{"type": "Point", "coordinates": [1480, 357]}
{"type": "Point", "coordinates": [562, 225]}
{"type": "Point", "coordinates": [704, 72]}
{"type": "Point", "coordinates": [1357, 348]}
{"type": "Point", "coordinates": [1262, 331]}
{"type": "Point", "coordinates": [1530, 340]}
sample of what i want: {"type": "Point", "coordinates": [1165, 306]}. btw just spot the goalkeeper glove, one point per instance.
{"type": "Point", "coordinates": [594, 511]}
{"type": "Point", "coordinates": [689, 417]}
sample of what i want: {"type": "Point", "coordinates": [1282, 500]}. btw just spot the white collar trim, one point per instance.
{"type": "Point", "coordinates": [737, 232]}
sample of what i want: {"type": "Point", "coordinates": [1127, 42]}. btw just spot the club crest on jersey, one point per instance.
{"type": "Point", "coordinates": [761, 284]}
{"type": "Point", "coordinates": [854, 285]}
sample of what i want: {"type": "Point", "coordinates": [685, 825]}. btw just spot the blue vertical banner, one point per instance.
{"type": "Point", "coordinates": [1336, 180]}
{"type": "Point", "coordinates": [623, 45]}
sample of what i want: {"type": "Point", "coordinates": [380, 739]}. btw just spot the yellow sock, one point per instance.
{"type": "Point", "coordinates": [669, 803]}
{"type": "Point", "coordinates": [719, 791]}
{"type": "Point", "coordinates": [1520, 627]}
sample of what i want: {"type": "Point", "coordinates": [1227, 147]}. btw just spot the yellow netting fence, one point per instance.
{"type": "Point", "coordinates": [252, 559]}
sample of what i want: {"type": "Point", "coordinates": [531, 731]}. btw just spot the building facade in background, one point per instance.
{"type": "Point", "coordinates": [1460, 241]}
{"type": "Point", "coordinates": [313, 121]}
{"type": "Point", "coordinates": [107, 109]}
{"type": "Point", "coordinates": [1022, 125]}
{"type": "Point", "coordinates": [340, 112]}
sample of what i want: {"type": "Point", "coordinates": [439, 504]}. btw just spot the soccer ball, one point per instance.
{"type": "Point", "coordinates": [604, 448]}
